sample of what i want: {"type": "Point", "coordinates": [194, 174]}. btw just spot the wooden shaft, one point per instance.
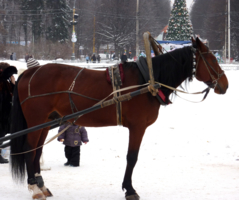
{"type": "Point", "coordinates": [148, 56]}
{"type": "Point", "coordinates": [154, 46]}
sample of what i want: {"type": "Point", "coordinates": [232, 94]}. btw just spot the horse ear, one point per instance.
{"type": "Point", "coordinates": [198, 42]}
{"type": "Point", "coordinates": [194, 44]}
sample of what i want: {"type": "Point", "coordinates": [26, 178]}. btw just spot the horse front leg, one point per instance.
{"type": "Point", "coordinates": [135, 138]}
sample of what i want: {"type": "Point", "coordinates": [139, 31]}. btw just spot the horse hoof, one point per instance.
{"type": "Point", "coordinates": [39, 196]}
{"type": "Point", "coordinates": [132, 197]}
{"type": "Point", "coordinates": [46, 192]}
{"type": "Point", "coordinates": [37, 193]}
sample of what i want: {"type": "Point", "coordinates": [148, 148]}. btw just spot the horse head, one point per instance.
{"type": "Point", "coordinates": [208, 69]}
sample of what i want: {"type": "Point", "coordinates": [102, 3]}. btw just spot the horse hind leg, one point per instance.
{"type": "Point", "coordinates": [39, 190]}
{"type": "Point", "coordinates": [40, 184]}
{"type": "Point", "coordinates": [32, 158]}
{"type": "Point", "coordinates": [34, 140]}
{"type": "Point", "coordinates": [39, 179]}
{"type": "Point", "coordinates": [36, 192]}
{"type": "Point", "coordinates": [32, 181]}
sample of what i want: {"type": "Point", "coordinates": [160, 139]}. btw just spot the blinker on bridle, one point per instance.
{"type": "Point", "coordinates": [207, 65]}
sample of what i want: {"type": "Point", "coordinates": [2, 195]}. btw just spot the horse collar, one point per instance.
{"type": "Point", "coordinates": [194, 60]}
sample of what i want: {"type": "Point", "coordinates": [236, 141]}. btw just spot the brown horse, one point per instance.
{"type": "Point", "coordinates": [137, 114]}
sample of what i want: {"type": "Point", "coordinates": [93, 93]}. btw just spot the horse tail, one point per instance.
{"type": "Point", "coordinates": [18, 123]}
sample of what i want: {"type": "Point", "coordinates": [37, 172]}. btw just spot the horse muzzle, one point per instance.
{"type": "Point", "coordinates": [220, 89]}
{"type": "Point", "coordinates": [222, 85]}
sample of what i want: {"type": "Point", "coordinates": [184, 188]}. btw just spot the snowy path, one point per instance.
{"type": "Point", "coordinates": [191, 152]}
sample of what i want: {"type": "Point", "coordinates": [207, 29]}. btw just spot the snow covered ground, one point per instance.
{"type": "Point", "coordinates": [191, 152]}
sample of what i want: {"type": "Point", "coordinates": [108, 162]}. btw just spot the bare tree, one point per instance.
{"type": "Point", "coordinates": [115, 21]}
{"type": "Point", "coordinates": [102, 21]}
{"type": "Point", "coordinates": [209, 17]}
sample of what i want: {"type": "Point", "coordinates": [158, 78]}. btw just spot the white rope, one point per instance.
{"type": "Point", "coordinates": [50, 140]}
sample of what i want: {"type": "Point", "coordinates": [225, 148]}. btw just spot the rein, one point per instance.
{"type": "Point", "coordinates": [206, 91]}
{"type": "Point", "coordinates": [50, 140]}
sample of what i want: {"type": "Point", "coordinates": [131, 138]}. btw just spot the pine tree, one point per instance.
{"type": "Point", "coordinates": [180, 27]}
{"type": "Point", "coordinates": [33, 10]}
{"type": "Point", "coordinates": [58, 31]}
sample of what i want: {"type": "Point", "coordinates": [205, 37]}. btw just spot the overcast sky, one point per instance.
{"type": "Point", "coordinates": [189, 2]}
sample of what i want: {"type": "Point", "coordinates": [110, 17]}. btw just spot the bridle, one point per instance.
{"type": "Point", "coordinates": [207, 65]}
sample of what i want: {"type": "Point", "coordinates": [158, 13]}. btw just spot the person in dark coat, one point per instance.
{"type": "Point", "coordinates": [124, 58]}
{"type": "Point", "coordinates": [130, 55]}
{"type": "Point", "coordinates": [93, 58]}
{"type": "Point", "coordinates": [14, 56]}
{"type": "Point", "coordinates": [11, 56]}
{"type": "Point", "coordinates": [7, 82]}
{"type": "Point", "coordinates": [72, 138]}
{"type": "Point", "coordinates": [27, 57]}
{"type": "Point", "coordinates": [98, 58]}
{"type": "Point", "coordinates": [113, 56]}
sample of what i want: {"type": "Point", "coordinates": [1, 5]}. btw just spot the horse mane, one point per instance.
{"type": "Point", "coordinates": [173, 68]}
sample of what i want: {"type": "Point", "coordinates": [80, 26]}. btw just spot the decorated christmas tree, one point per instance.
{"type": "Point", "coordinates": [180, 27]}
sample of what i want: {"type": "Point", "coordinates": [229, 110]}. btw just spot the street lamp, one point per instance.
{"type": "Point", "coordinates": [137, 29]}
{"type": "Point", "coordinates": [73, 38]}
{"type": "Point", "coordinates": [94, 37]}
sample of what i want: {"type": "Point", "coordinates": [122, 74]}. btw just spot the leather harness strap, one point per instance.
{"type": "Point", "coordinates": [114, 74]}
{"type": "Point", "coordinates": [73, 106]}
